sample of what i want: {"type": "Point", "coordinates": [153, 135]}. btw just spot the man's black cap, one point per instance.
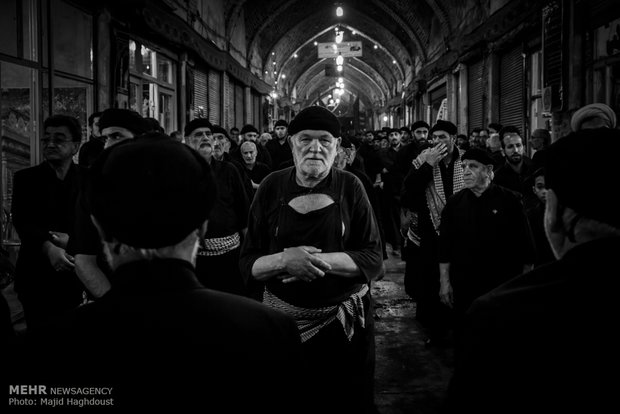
{"type": "Point", "coordinates": [150, 193]}
{"type": "Point", "coordinates": [419, 124]}
{"type": "Point", "coordinates": [582, 170]}
{"type": "Point", "coordinates": [123, 118]}
{"type": "Point", "coordinates": [248, 128]}
{"type": "Point", "coordinates": [315, 118]}
{"type": "Point", "coordinates": [477, 154]}
{"type": "Point", "coordinates": [442, 125]}
{"type": "Point", "coordinates": [195, 124]}
{"type": "Point", "coordinates": [281, 122]}
{"type": "Point", "coordinates": [216, 129]}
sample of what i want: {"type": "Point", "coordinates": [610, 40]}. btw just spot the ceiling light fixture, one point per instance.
{"type": "Point", "coordinates": [339, 36]}
{"type": "Point", "coordinates": [339, 60]}
{"type": "Point", "coordinates": [339, 11]}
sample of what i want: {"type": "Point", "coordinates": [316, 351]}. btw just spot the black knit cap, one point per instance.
{"type": "Point", "coordinates": [150, 193]}
{"type": "Point", "coordinates": [419, 124]}
{"type": "Point", "coordinates": [582, 170]}
{"type": "Point", "coordinates": [281, 122]}
{"type": "Point", "coordinates": [477, 154]}
{"type": "Point", "coordinates": [248, 128]}
{"type": "Point", "coordinates": [123, 118]}
{"type": "Point", "coordinates": [315, 118]}
{"type": "Point", "coordinates": [196, 123]}
{"type": "Point", "coordinates": [216, 129]}
{"type": "Point", "coordinates": [442, 125]}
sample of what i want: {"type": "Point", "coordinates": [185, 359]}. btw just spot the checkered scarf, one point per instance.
{"type": "Point", "coordinates": [311, 321]}
{"type": "Point", "coordinates": [219, 245]}
{"type": "Point", "coordinates": [435, 195]}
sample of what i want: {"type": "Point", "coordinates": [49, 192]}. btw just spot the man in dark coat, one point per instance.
{"type": "Point", "coordinates": [43, 209]}
{"type": "Point", "coordinates": [91, 149]}
{"type": "Point", "coordinates": [279, 148]}
{"type": "Point", "coordinates": [158, 338]}
{"type": "Point", "coordinates": [544, 342]}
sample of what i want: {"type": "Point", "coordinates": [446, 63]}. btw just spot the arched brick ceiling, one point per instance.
{"type": "Point", "coordinates": [307, 61]}
{"type": "Point", "coordinates": [313, 82]}
{"type": "Point", "coordinates": [277, 29]}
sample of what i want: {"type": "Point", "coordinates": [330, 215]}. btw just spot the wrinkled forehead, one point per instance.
{"type": "Point", "coordinates": [314, 134]}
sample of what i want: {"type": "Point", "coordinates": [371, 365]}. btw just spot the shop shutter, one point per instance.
{"type": "Point", "coordinates": [256, 111]}
{"type": "Point", "coordinates": [239, 105]}
{"type": "Point", "coordinates": [215, 97]}
{"type": "Point", "coordinates": [511, 88]}
{"type": "Point", "coordinates": [476, 108]}
{"type": "Point", "coordinates": [200, 94]}
{"type": "Point", "coordinates": [553, 67]}
{"type": "Point", "coordinates": [230, 104]}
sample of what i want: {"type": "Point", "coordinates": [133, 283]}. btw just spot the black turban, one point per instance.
{"type": "Point", "coordinates": [281, 122]}
{"type": "Point", "coordinates": [315, 118]}
{"type": "Point", "coordinates": [196, 123]}
{"type": "Point", "coordinates": [123, 118]}
{"type": "Point", "coordinates": [150, 193]}
{"type": "Point", "coordinates": [442, 125]}
{"type": "Point", "coordinates": [419, 124]}
{"type": "Point", "coordinates": [582, 170]}
{"type": "Point", "coordinates": [477, 154]}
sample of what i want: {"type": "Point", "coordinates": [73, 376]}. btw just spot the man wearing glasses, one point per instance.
{"type": "Point", "coordinates": [43, 208]}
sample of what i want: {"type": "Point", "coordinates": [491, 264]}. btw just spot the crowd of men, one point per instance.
{"type": "Point", "coordinates": [165, 242]}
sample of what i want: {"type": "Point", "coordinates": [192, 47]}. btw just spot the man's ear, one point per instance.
{"type": "Point", "coordinates": [559, 224]}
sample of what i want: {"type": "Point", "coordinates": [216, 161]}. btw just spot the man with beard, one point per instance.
{"type": "Point", "coordinates": [279, 148]}
{"type": "Point", "coordinates": [435, 175]}
{"type": "Point", "coordinates": [544, 342]}
{"type": "Point", "coordinates": [218, 255]}
{"type": "Point", "coordinates": [117, 125]}
{"type": "Point", "coordinates": [513, 174]}
{"type": "Point", "coordinates": [314, 243]}
{"type": "Point", "coordinates": [392, 178]}
{"type": "Point", "coordinates": [484, 237]}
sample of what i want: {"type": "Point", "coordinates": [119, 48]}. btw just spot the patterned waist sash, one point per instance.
{"type": "Point", "coordinates": [311, 320]}
{"type": "Point", "coordinates": [219, 245]}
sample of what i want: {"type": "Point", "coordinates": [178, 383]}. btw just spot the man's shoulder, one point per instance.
{"type": "Point", "coordinates": [528, 293]}
{"type": "Point", "coordinates": [31, 172]}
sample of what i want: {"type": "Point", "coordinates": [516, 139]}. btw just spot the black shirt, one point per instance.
{"type": "Point", "coordinates": [486, 232]}
{"type": "Point", "coordinates": [280, 153]}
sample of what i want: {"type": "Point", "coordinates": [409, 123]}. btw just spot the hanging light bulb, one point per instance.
{"type": "Point", "coordinates": [339, 60]}
{"type": "Point", "coordinates": [340, 80]}
{"type": "Point", "coordinates": [339, 68]}
{"type": "Point", "coordinates": [339, 11]}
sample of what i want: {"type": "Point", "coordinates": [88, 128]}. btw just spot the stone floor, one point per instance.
{"type": "Point", "coordinates": [410, 377]}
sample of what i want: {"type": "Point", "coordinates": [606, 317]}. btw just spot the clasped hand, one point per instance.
{"type": "Point", "coordinates": [301, 264]}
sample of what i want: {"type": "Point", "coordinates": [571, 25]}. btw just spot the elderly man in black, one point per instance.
{"type": "Point", "coordinates": [43, 208]}
{"type": "Point", "coordinates": [158, 340]}
{"type": "Point", "coordinates": [484, 237]}
{"type": "Point", "coordinates": [217, 263]}
{"type": "Point", "coordinates": [545, 341]}
{"type": "Point", "coordinates": [313, 240]}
